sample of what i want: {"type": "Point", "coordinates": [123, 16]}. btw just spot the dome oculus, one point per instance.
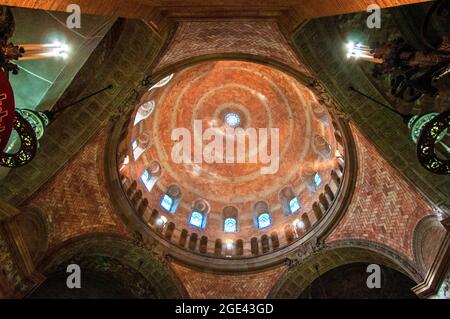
{"type": "Point", "coordinates": [232, 120]}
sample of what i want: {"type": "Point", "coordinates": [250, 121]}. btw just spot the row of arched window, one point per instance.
{"type": "Point", "coordinates": [171, 199]}
{"type": "Point", "coordinates": [144, 111]}
{"type": "Point", "coordinates": [198, 216]}
{"type": "Point", "coordinates": [257, 245]}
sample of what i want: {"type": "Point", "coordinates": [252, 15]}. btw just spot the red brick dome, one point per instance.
{"type": "Point", "coordinates": [218, 96]}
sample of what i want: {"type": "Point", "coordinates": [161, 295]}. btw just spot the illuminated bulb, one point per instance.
{"type": "Point", "coordinates": [60, 50]}
{"type": "Point", "coordinates": [65, 47]}
{"type": "Point", "coordinates": [229, 243]}
{"type": "Point", "coordinates": [161, 221]}
{"type": "Point", "coordinates": [350, 45]}
{"type": "Point", "coordinates": [361, 51]}
{"type": "Point", "coordinates": [299, 224]}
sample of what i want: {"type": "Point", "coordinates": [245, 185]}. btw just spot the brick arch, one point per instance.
{"type": "Point", "coordinates": [337, 254]}
{"type": "Point", "coordinates": [428, 234]}
{"type": "Point", "coordinates": [123, 252]}
{"type": "Point", "coordinates": [301, 76]}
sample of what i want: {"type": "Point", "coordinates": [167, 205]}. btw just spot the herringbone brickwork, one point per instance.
{"type": "Point", "coordinates": [384, 207]}
{"type": "Point", "coordinates": [201, 285]}
{"type": "Point", "coordinates": [76, 200]}
{"type": "Point", "coordinates": [260, 38]}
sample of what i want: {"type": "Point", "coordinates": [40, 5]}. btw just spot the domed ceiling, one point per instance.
{"type": "Point", "coordinates": [284, 177]}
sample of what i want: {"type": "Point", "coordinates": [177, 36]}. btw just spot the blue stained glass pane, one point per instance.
{"type": "Point", "coordinates": [145, 177]}
{"type": "Point", "coordinates": [167, 203]}
{"type": "Point", "coordinates": [232, 120]}
{"type": "Point", "coordinates": [148, 180]}
{"type": "Point", "coordinates": [230, 225]}
{"type": "Point", "coordinates": [317, 180]}
{"type": "Point", "coordinates": [196, 219]}
{"type": "Point", "coordinates": [264, 220]}
{"type": "Point", "coordinates": [294, 205]}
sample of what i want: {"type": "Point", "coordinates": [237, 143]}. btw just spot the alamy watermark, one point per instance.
{"type": "Point", "coordinates": [73, 281]}
{"type": "Point", "coordinates": [74, 20]}
{"type": "Point", "coordinates": [374, 19]}
{"type": "Point", "coordinates": [227, 147]}
{"type": "Point", "coordinates": [374, 279]}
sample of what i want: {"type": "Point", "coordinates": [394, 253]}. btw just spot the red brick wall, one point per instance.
{"type": "Point", "coordinates": [76, 200]}
{"type": "Point", "coordinates": [261, 38]}
{"type": "Point", "coordinates": [202, 285]}
{"type": "Point", "coordinates": [384, 207]}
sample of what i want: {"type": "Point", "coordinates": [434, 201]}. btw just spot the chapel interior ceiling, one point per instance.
{"type": "Point", "coordinates": [347, 189]}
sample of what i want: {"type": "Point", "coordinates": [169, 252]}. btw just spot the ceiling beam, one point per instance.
{"type": "Point", "coordinates": [308, 9]}
{"type": "Point", "coordinates": [159, 13]}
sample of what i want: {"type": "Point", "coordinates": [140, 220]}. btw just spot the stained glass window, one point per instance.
{"type": "Point", "coordinates": [317, 180]}
{"type": "Point", "coordinates": [148, 180]}
{"type": "Point", "coordinates": [144, 111]}
{"type": "Point", "coordinates": [138, 150]}
{"type": "Point", "coordinates": [167, 203]}
{"type": "Point", "coordinates": [163, 82]}
{"type": "Point", "coordinates": [197, 219]}
{"type": "Point", "coordinates": [232, 120]}
{"type": "Point", "coordinates": [264, 220]}
{"type": "Point", "coordinates": [294, 205]}
{"type": "Point", "coordinates": [230, 225]}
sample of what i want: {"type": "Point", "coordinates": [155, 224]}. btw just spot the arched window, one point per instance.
{"type": "Point", "coordinates": [294, 205]}
{"type": "Point", "coordinates": [163, 82]}
{"type": "Point", "coordinates": [197, 219]}
{"type": "Point", "coordinates": [167, 203]}
{"type": "Point", "coordinates": [230, 225]}
{"type": "Point", "coordinates": [320, 113]}
{"type": "Point", "coordinates": [313, 182]}
{"type": "Point", "coordinates": [264, 220]}
{"type": "Point", "coordinates": [229, 217]}
{"type": "Point", "coordinates": [144, 111]}
{"type": "Point", "coordinates": [317, 180]}
{"type": "Point", "coordinates": [149, 180]}
{"type": "Point", "coordinates": [199, 212]}
{"type": "Point", "coordinates": [289, 201]}
{"type": "Point", "coordinates": [140, 145]}
{"type": "Point", "coordinates": [261, 215]}
{"type": "Point", "coordinates": [150, 176]}
{"type": "Point", "coordinates": [322, 147]}
{"type": "Point", "coordinates": [171, 199]}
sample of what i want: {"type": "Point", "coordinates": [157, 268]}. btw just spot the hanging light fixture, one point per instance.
{"type": "Point", "coordinates": [361, 51]}
{"type": "Point", "coordinates": [431, 134]}
{"type": "Point", "coordinates": [44, 51]}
